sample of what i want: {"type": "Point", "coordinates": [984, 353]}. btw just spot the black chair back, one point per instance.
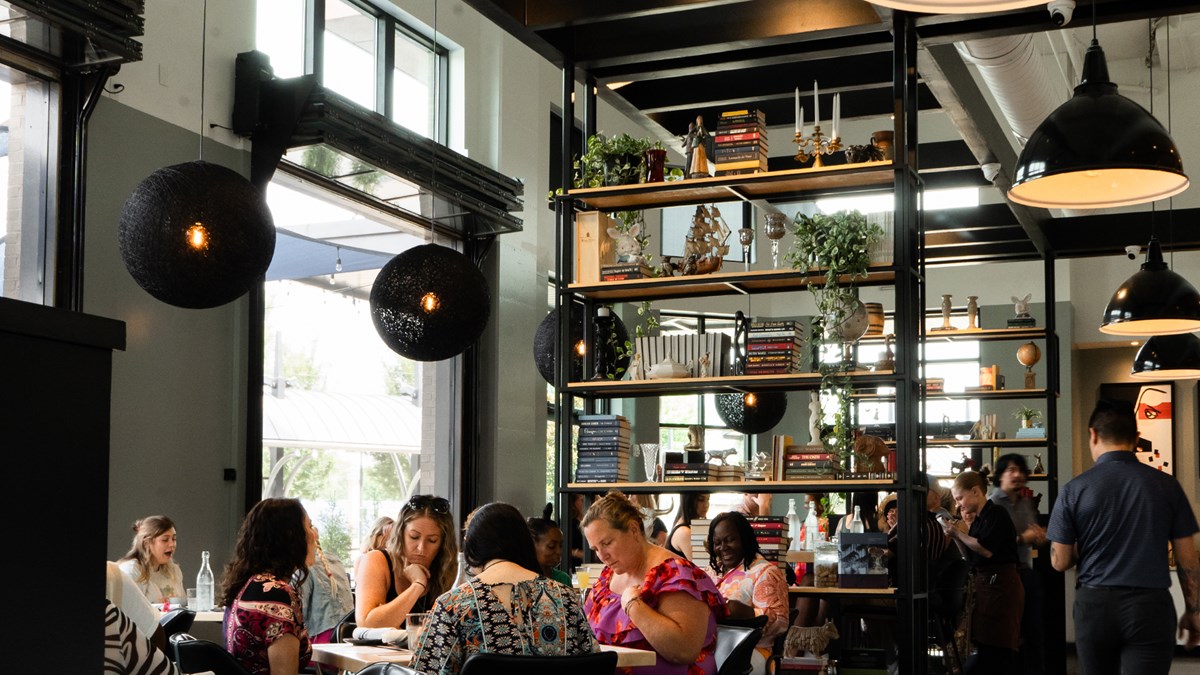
{"type": "Point", "coordinates": [176, 621]}
{"type": "Point", "coordinates": [735, 645]}
{"type": "Point", "coordinates": [600, 663]}
{"type": "Point", "coordinates": [198, 656]}
{"type": "Point", "coordinates": [759, 621]}
{"type": "Point", "coordinates": [344, 628]}
{"type": "Point", "coordinates": [386, 669]}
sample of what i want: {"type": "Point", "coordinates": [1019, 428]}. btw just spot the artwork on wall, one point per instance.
{"type": "Point", "coordinates": [1152, 406]}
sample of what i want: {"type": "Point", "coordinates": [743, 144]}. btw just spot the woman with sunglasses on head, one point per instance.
{"type": "Point", "coordinates": [417, 565]}
{"type": "Point", "coordinates": [508, 607]}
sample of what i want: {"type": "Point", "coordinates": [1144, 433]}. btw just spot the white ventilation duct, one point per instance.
{"type": "Point", "coordinates": [1019, 78]}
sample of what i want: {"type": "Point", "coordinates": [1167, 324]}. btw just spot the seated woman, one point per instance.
{"type": "Point", "coordinates": [647, 597]}
{"type": "Point", "coordinates": [376, 539]}
{"type": "Point", "coordinates": [264, 618]}
{"type": "Point", "coordinates": [990, 546]}
{"type": "Point", "coordinates": [150, 561]}
{"type": "Point", "coordinates": [752, 586]}
{"type": "Point", "coordinates": [326, 595]}
{"type": "Point", "coordinates": [508, 607]}
{"type": "Point", "coordinates": [548, 543]}
{"type": "Point", "coordinates": [418, 564]}
{"type": "Point", "coordinates": [693, 505]}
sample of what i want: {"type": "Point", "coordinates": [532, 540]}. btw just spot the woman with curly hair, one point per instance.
{"type": "Point", "coordinates": [264, 619]}
{"type": "Point", "coordinates": [418, 564]}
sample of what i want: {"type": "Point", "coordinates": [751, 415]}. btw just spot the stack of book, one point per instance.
{"type": "Point", "coordinates": [603, 449]}
{"type": "Point", "coordinates": [771, 532]}
{"type": "Point", "coordinates": [773, 348]}
{"type": "Point", "coordinates": [806, 462]}
{"type": "Point", "coordinates": [803, 664]}
{"type": "Point", "coordinates": [689, 472]}
{"type": "Point", "coordinates": [730, 472]}
{"type": "Point", "coordinates": [619, 271]}
{"type": "Point", "coordinates": [741, 139]}
{"type": "Point", "coordinates": [699, 538]}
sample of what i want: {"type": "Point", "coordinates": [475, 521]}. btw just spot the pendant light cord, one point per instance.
{"type": "Point", "coordinates": [1093, 20]}
{"type": "Point", "coordinates": [1170, 200]}
{"type": "Point", "coordinates": [1150, 67]}
{"type": "Point", "coordinates": [437, 101]}
{"type": "Point", "coordinates": [203, 63]}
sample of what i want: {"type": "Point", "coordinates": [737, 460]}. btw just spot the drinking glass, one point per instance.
{"type": "Point", "coordinates": [415, 625]}
{"type": "Point", "coordinates": [192, 603]}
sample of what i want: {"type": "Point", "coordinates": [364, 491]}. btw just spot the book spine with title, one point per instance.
{"type": "Point", "coordinates": [741, 142]}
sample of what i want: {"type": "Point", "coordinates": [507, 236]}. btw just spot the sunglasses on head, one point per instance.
{"type": "Point", "coordinates": [428, 503]}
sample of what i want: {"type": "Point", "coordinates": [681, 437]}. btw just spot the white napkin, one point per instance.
{"type": "Point", "coordinates": [391, 636]}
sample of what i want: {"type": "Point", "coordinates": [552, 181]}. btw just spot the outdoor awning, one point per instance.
{"type": "Point", "coordinates": [359, 422]}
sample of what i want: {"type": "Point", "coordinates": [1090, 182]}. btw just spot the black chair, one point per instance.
{"type": "Point", "coordinates": [759, 622]}
{"type": "Point", "coordinates": [199, 656]}
{"type": "Point", "coordinates": [600, 663]}
{"type": "Point", "coordinates": [344, 628]}
{"type": "Point", "coordinates": [735, 645]}
{"type": "Point", "coordinates": [176, 621]}
{"type": "Point", "coordinates": [386, 669]}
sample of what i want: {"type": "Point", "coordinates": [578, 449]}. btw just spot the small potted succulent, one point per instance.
{"type": "Point", "coordinates": [1027, 416]}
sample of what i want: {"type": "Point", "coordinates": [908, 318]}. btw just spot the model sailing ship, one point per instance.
{"type": "Point", "coordinates": [705, 245]}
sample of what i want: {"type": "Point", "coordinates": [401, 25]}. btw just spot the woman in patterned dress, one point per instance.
{"type": "Point", "coordinates": [264, 619]}
{"type": "Point", "coordinates": [647, 597]}
{"type": "Point", "coordinates": [508, 607]}
{"type": "Point", "coordinates": [751, 585]}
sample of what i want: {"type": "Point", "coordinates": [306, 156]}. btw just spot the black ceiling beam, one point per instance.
{"type": "Point", "coordinates": [986, 216]}
{"type": "Point", "coordinates": [946, 156]}
{"type": "Point", "coordinates": [978, 237]}
{"type": "Point", "coordinates": [980, 254]}
{"type": "Point", "coordinates": [714, 29]}
{"type": "Point", "coordinates": [509, 16]}
{"type": "Point", "coordinates": [1110, 233]}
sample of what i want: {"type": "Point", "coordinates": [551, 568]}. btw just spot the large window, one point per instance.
{"type": "Point", "coordinates": [364, 53]}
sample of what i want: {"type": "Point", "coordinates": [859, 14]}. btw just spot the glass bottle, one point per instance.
{"type": "Point", "coordinates": [810, 527]}
{"type": "Point", "coordinates": [461, 578]}
{"type": "Point", "coordinates": [204, 585]}
{"type": "Point", "coordinates": [794, 527]}
{"type": "Point", "coordinates": [856, 525]}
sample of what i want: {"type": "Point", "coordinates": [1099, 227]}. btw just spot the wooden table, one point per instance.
{"type": "Point", "coordinates": [353, 657]}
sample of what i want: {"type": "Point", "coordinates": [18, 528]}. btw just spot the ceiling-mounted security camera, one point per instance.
{"type": "Point", "coordinates": [1061, 11]}
{"type": "Point", "coordinates": [1133, 251]}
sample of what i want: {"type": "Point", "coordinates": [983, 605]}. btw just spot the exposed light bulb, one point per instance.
{"type": "Point", "coordinates": [581, 347]}
{"type": "Point", "coordinates": [331, 280]}
{"type": "Point", "coordinates": [750, 400]}
{"type": "Point", "coordinates": [430, 302]}
{"type": "Point", "coordinates": [337, 267]}
{"type": "Point", "coordinates": [197, 237]}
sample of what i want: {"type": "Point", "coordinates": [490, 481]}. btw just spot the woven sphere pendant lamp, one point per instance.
{"type": "Point", "coordinates": [1168, 357]}
{"type": "Point", "coordinates": [430, 303]}
{"type": "Point", "coordinates": [547, 333]}
{"type": "Point", "coordinates": [1097, 150]}
{"type": "Point", "coordinates": [751, 413]}
{"type": "Point", "coordinates": [196, 235]}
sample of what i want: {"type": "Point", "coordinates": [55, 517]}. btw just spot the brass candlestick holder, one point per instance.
{"type": "Point", "coordinates": [815, 145]}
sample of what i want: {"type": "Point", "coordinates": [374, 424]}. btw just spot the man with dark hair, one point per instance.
{"type": "Point", "coordinates": [1115, 520]}
{"type": "Point", "coordinates": [1012, 470]}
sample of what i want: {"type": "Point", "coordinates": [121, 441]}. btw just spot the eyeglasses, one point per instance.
{"type": "Point", "coordinates": [428, 503]}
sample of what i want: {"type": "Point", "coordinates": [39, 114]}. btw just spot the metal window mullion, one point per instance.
{"type": "Point", "coordinates": [385, 59]}
{"type": "Point", "coordinates": [314, 44]}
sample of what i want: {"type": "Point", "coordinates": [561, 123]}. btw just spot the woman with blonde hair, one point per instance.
{"type": "Point", "coordinates": [647, 597]}
{"type": "Point", "coordinates": [418, 564]}
{"type": "Point", "coordinates": [375, 540]}
{"type": "Point", "coordinates": [150, 561]}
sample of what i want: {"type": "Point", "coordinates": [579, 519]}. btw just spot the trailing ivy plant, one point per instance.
{"type": "Point", "coordinates": [836, 246]}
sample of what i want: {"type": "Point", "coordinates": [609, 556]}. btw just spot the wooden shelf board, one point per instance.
{"type": "Point", "coordinates": [735, 486]}
{"type": "Point", "coordinates": [813, 590]}
{"type": "Point", "coordinates": [723, 384]}
{"type": "Point", "coordinates": [987, 334]}
{"type": "Point", "coordinates": [996, 442]}
{"type": "Point", "coordinates": [718, 283]}
{"type": "Point", "coordinates": [837, 178]}
{"type": "Point", "coordinates": [959, 395]}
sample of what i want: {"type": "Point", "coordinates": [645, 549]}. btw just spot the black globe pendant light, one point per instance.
{"type": "Point", "coordinates": [547, 333]}
{"type": "Point", "coordinates": [430, 303]}
{"type": "Point", "coordinates": [1154, 301]}
{"type": "Point", "coordinates": [1097, 150]}
{"type": "Point", "coordinates": [196, 235]}
{"type": "Point", "coordinates": [751, 413]}
{"type": "Point", "coordinates": [1168, 357]}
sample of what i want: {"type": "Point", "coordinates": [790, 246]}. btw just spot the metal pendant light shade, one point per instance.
{"type": "Point", "coordinates": [547, 333]}
{"type": "Point", "coordinates": [956, 6]}
{"type": "Point", "coordinates": [430, 303]}
{"type": "Point", "coordinates": [1097, 150]}
{"type": "Point", "coordinates": [1168, 357]}
{"type": "Point", "coordinates": [1154, 301]}
{"type": "Point", "coordinates": [196, 235]}
{"type": "Point", "coordinates": [751, 413]}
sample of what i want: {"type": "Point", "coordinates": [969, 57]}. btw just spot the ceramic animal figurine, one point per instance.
{"type": "Point", "coordinates": [626, 244]}
{"type": "Point", "coordinates": [722, 455]}
{"type": "Point", "coordinates": [1021, 305]}
{"type": "Point", "coordinates": [812, 639]}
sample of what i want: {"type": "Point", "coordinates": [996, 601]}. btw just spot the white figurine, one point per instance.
{"type": "Point", "coordinates": [1021, 305]}
{"type": "Point", "coordinates": [705, 361]}
{"type": "Point", "coordinates": [626, 244]}
{"type": "Point", "coordinates": [637, 370]}
{"type": "Point", "coordinates": [814, 418]}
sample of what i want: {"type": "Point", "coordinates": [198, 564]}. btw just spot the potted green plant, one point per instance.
{"type": "Point", "coordinates": [616, 160]}
{"type": "Point", "coordinates": [1027, 416]}
{"type": "Point", "coordinates": [836, 246]}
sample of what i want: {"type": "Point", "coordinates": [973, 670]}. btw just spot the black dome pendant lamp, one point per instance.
{"type": "Point", "coordinates": [751, 413]}
{"type": "Point", "coordinates": [1168, 357]}
{"type": "Point", "coordinates": [1097, 150]}
{"type": "Point", "coordinates": [1154, 301]}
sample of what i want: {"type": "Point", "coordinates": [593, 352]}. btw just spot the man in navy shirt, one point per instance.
{"type": "Point", "coordinates": [1114, 520]}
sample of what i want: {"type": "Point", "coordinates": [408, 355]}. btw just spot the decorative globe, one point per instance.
{"type": "Point", "coordinates": [854, 323]}
{"type": "Point", "coordinates": [1028, 354]}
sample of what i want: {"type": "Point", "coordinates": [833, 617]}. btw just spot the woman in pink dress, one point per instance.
{"type": "Point", "coordinates": [647, 597]}
{"type": "Point", "coordinates": [752, 585]}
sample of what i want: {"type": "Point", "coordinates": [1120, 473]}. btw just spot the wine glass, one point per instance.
{"type": "Point", "coordinates": [650, 453]}
{"type": "Point", "coordinates": [746, 237]}
{"type": "Point", "coordinates": [775, 229]}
